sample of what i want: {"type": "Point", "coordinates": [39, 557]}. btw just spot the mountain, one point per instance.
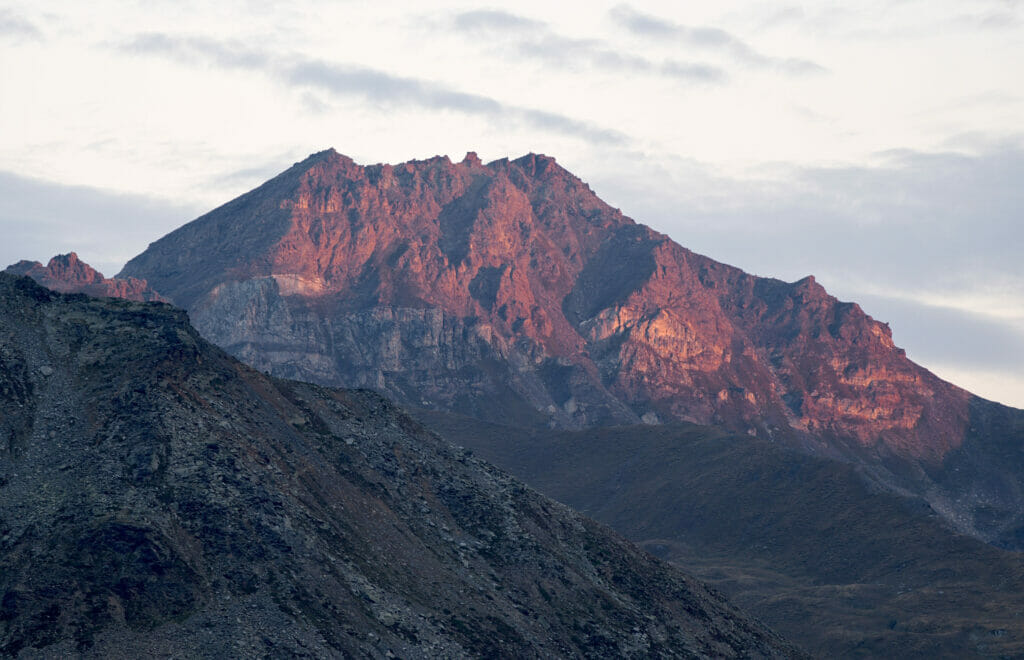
{"type": "Point", "coordinates": [802, 542]}
{"type": "Point", "coordinates": [158, 498]}
{"type": "Point", "coordinates": [510, 292]}
{"type": "Point", "coordinates": [69, 274]}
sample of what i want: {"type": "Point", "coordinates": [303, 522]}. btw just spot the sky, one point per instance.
{"type": "Point", "coordinates": [878, 145]}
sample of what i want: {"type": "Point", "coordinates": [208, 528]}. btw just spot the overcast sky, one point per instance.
{"type": "Point", "coordinates": [878, 145]}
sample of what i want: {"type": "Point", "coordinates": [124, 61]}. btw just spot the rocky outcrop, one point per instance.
{"type": "Point", "coordinates": [67, 273]}
{"type": "Point", "coordinates": [159, 498]}
{"type": "Point", "coordinates": [511, 292]}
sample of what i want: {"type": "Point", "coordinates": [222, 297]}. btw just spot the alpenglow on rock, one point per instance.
{"type": "Point", "coordinates": [69, 274]}
{"type": "Point", "coordinates": [511, 289]}
{"type": "Point", "coordinates": [510, 292]}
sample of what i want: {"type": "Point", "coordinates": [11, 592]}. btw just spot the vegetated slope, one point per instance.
{"type": "Point", "coordinates": [159, 498]}
{"type": "Point", "coordinates": [805, 544]}
{"type": "Point", "coordinates": [511, 292]}
{"type": "Point", "coordinates": [69, 274]}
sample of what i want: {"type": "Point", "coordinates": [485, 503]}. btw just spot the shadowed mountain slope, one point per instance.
{"type": "Point", "coordinates": [159, 498]}
{"type": "Point", "coordinates": [806, 544]}
{"type": "Point", "coordinates": [512, 293]}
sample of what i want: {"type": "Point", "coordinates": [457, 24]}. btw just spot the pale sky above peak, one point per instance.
{"type": "Point", "coordinates": [878, 145]}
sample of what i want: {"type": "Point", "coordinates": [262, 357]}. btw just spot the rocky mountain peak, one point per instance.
{"type": "Point", "coordinates": [519, 263]}
{"type": "Point", "coordinates": [63, 267]}
{"type": "Point", "coordinates": [69, 268]}
{"type": "Point", "coordinates": [539, 165]}
{"type": "Point", "coordinates": [69, 274]}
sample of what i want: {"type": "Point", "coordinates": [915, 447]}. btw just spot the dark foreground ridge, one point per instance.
{"type": "Point", "coordinates": [157, 497]}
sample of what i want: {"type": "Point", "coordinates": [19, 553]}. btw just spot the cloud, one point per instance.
{"type": "Point", "coordinates": [14, 26]}
{"type": "Point", "coordinates": [566, 52]}
{"type": "Point", "coordinates": [997, 15]}
{"type": "Point", "coordinates": [967, 340]}
{"type": "Point", "coordinates": [384, 87]}
{"type": "Point", "coordinates": [645, 24]}
{"type": "Point", "coordinates": [39, 219]}
{"type": "Point", "coordinates": [709, 38]}
{"type": "Point", "coordinates": [692, 71]}
{"type": "Point", "coordinates": [194, 50]}
{"type": "Point", "coordinates": [536, 40]}
{"type": "Point", "coordinates": [374, 85]}
{"type": "Point", "coordinates": [913, 217]}
{"type": "Point", "coordinates": [493, 19]}
{"type": "Point", "coordinates": [783, 15]}
{"type": "Point", "coordinates": [246, 178]}
{"type": "Point", "coordinates": [997, 20]}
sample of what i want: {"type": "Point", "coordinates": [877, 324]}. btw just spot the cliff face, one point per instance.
{"type": "Point", "coordinates": [159, 498]}
{"type": "Point", "coordinates": [69, 274]}
{"type": "Point", "coordinates": [510, 291]}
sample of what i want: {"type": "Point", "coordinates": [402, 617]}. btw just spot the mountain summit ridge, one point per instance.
{"type": "Point", "coordinates": [524, 249]}
{"type": "Point", "coordinates": [69, 274]}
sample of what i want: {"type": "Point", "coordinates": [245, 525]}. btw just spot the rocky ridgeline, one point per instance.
{"type": "Point", "coordinates": [159, 498]}
{"type": "Point", "coordinates": [511, 289]}
{"type": "Point", "coordinates": [69, 274]}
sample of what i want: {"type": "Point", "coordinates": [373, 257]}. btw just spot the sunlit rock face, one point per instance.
{"type": "Point", "coordinates": [69, 274]}
{"type": "Point", "coordinates": [510, 291]}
